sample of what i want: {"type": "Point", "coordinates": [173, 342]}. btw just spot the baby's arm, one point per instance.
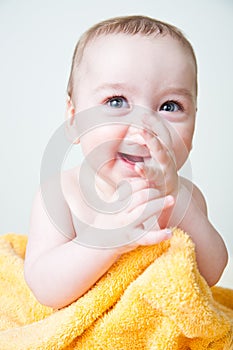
{"type": "Point", "coordinates": [58, 270]}
{"type": "Point", "coordinates": [189, 211]}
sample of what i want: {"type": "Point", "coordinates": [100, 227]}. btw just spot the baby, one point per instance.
{"type": "Point", "coordinates": [124, 68]}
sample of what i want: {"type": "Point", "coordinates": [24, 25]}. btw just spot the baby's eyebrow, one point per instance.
{"type": "Point", "coordinates": [113, 86]}
{"type": "Point", "coordinates": [180, 91]}
{"type": "Point", "coordinates": [124, 87]}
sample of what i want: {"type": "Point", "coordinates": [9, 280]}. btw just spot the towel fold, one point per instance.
{"type": "Point", "coordinates": [151, 298]}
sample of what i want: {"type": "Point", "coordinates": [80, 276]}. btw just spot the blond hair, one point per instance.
{"type": "Point", "coordinates": [129, 25]}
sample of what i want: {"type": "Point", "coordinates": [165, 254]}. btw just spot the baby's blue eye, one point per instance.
{"type": "Point", "coordinates": [170, 106]}
{"type": "Point", "coordinates": [117, 102]}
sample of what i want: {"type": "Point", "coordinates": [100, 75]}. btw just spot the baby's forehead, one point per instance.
{"type": "Point", "coordinates": [137, 44]}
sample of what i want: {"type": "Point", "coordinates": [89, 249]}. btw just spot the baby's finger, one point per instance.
{"type": "Point", "coordinates": [158, 128]}
{"type": "Point", "coordinates": [155, 237]}
{"type": "Point", "coordinates": [128, 187]}
{"type": "Point", "coordinates": [140, 197]}
{"type": "Point", "coordinates": [145, 211]}
{"type": "Point", "coordinates": [157, 149]}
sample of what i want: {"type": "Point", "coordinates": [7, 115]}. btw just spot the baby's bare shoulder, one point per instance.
{"type": "Point", "coordinates": [70, 186]}
{"type": "Point", "coordinates": [74, 196]}
{"type": "Point", "coordinates": [69, 179]}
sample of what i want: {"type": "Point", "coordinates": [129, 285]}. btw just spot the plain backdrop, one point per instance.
{"type": "Point", "coordinates": [37, 39]}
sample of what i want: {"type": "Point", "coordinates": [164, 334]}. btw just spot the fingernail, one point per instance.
{"type": "Point", "coordinates": [169, 200]}
{"type": "Point", "coordinates": [169, 233]}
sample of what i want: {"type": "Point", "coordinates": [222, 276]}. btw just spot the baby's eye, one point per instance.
{"type": "Point", "coordinates": [117, 102]}
{"type": "Point", "coordinates": [170, 106]}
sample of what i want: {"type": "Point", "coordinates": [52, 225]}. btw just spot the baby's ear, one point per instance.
{"type": "Point", "coordinates": [71, 126]}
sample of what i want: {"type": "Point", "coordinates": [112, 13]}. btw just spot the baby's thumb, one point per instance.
{"type": "Point", "coordinates": [155, 237]}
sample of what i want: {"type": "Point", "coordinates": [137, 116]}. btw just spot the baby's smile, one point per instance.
{"type": "Point", "coordinates": [129, 158]}
{"type": "Point", "coordinates": [133, 153]}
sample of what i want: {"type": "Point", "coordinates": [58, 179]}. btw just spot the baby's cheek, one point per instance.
{"type": "Point", "coordinates": [182, 145]}
{"type": "Point", "coordinates": [103, 141]}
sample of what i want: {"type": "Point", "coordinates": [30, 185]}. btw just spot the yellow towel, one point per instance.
{"type": "Point", "coordinates": [151, 298]}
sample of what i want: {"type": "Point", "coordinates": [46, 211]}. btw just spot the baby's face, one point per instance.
{"type": "Point", "coordinates": [121, 71]}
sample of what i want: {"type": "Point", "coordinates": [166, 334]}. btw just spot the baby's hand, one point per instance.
{"type": "Point", "coordinates": [160, 169]}
{"type": "Point", "coordinates": [135, 209]}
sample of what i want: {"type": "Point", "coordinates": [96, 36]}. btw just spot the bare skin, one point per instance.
{"type": "Point", "coordinates": [166, 86]}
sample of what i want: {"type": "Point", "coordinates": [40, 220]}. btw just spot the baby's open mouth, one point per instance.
{"type": "Point", "coordinates": [129, 158]}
